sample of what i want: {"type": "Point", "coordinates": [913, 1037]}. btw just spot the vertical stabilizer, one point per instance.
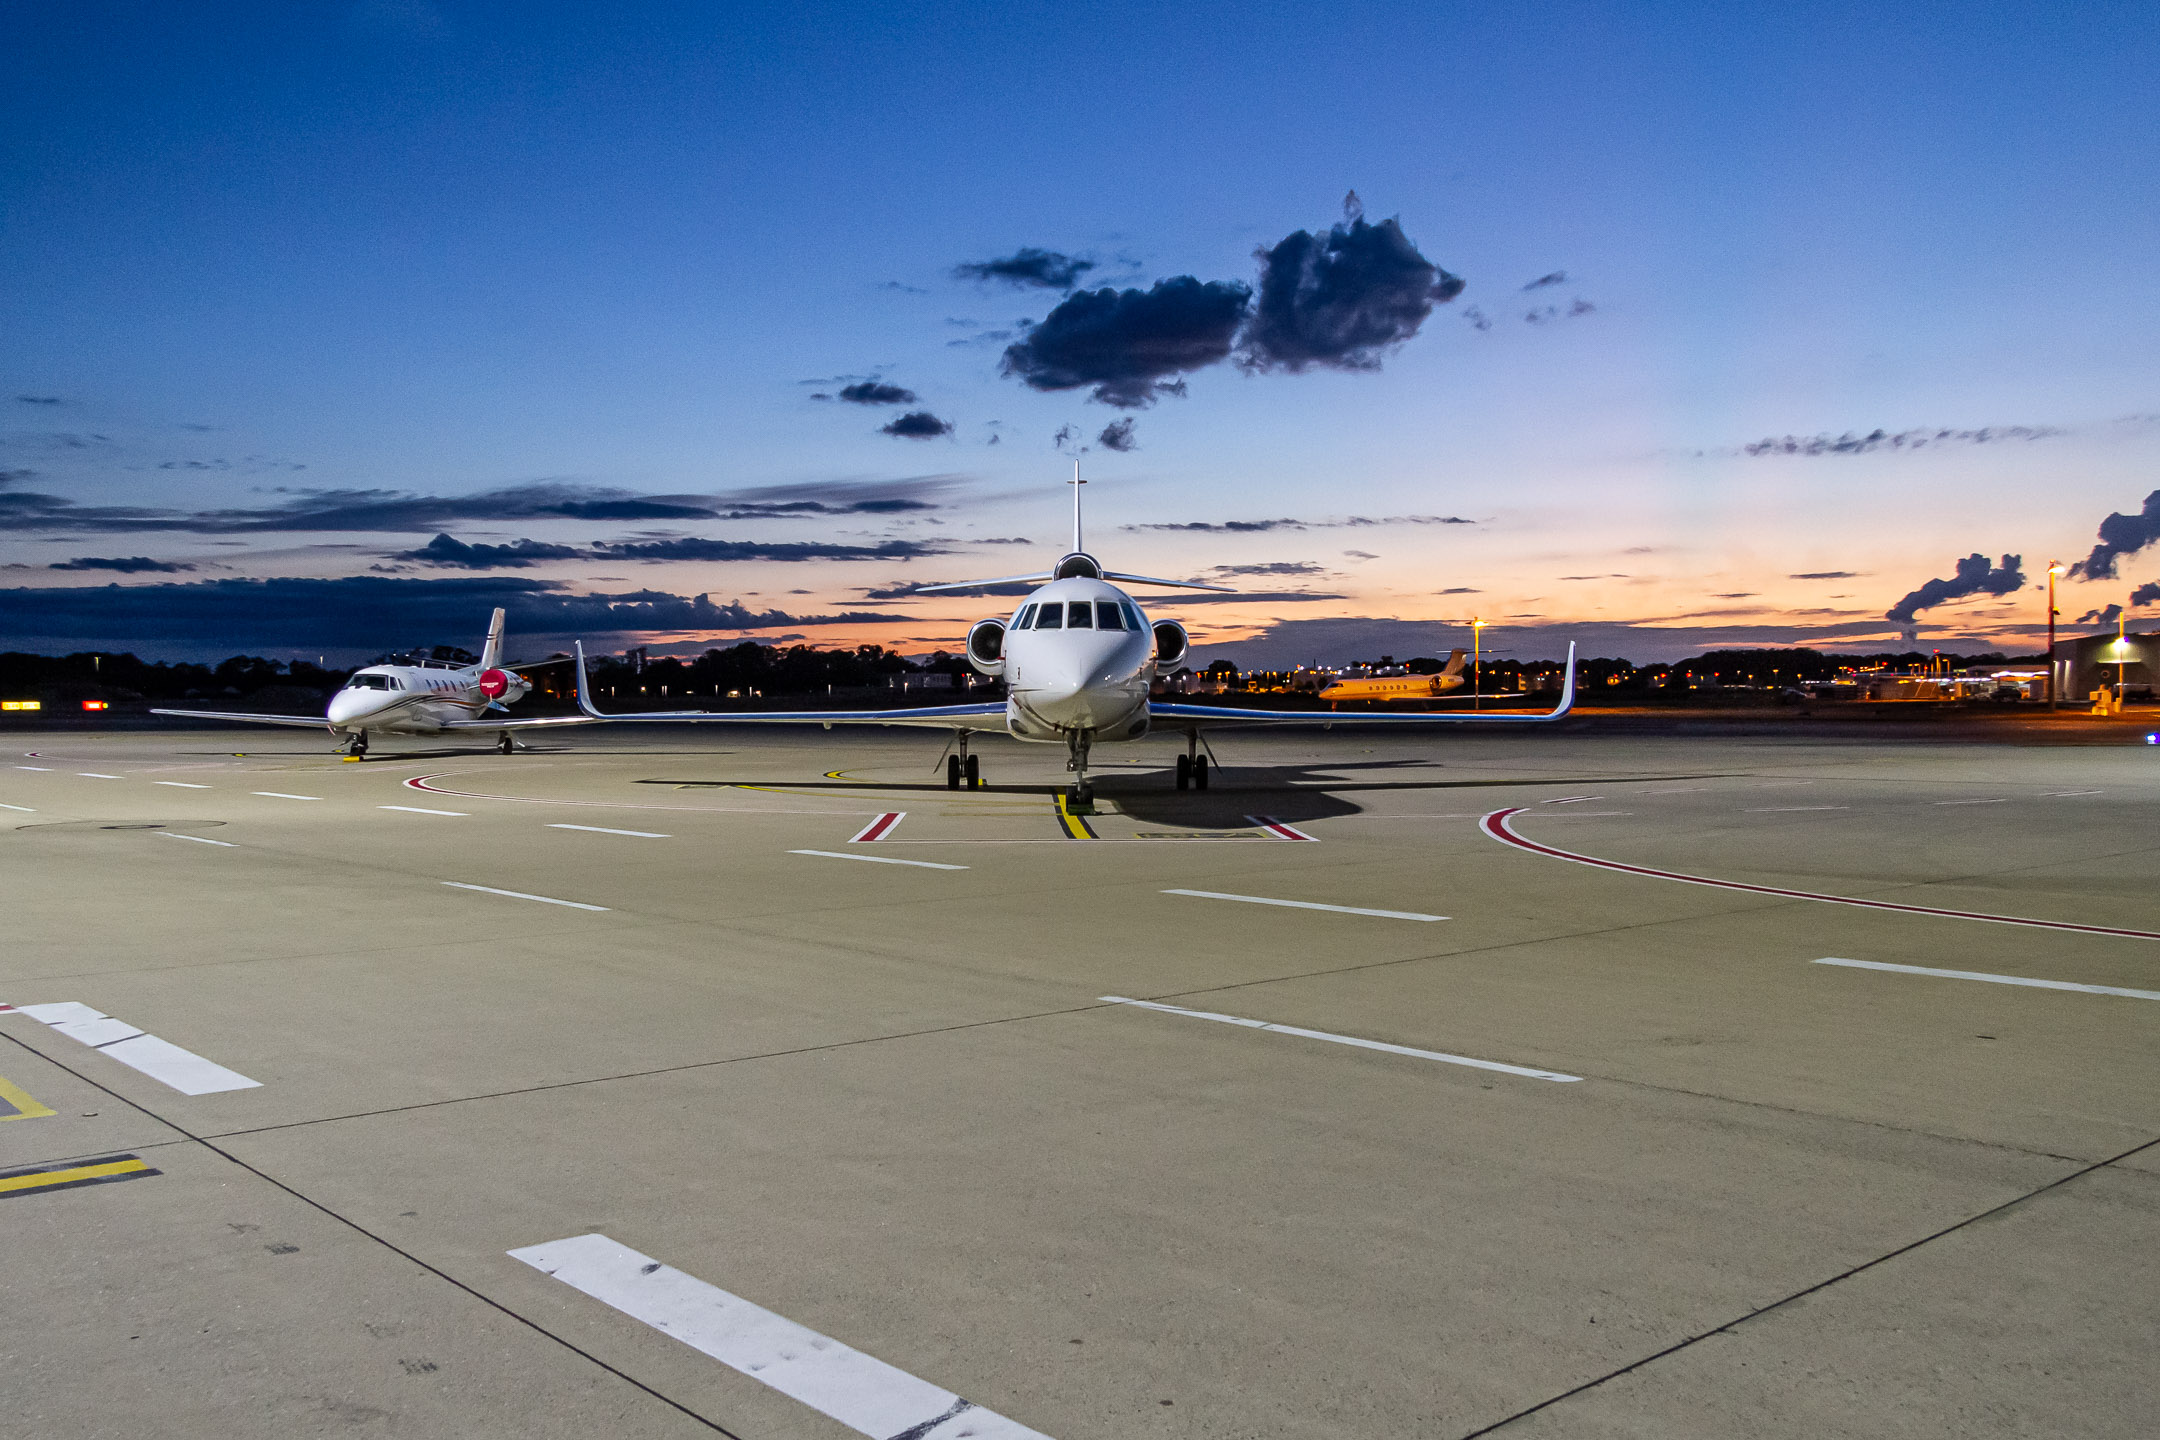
{"type": "Point", "coordinates": [1077, 482]}
{"type": "Point", "coordinates": [491, 653]}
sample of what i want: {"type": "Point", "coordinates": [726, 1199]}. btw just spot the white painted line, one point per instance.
{"type": "Point", "coordinates": [521, 895]}
{"type": "Point", "coordinates": [1993, 979]}
{"type": "Point", "coordinates": [180, 784]}
{"type": "Point", "coordinates": [603, 830]}
{"type": "Point", "coordinates": [878, 859]}
{"type": "Point", "coordinates": [1683, 790]}
{"type": "Point", "coordinates": [281, 795]}
{"type": "Point", "coordinates": [1792, 809]}
{"type": "Point", "coordinates": [867, 1395]}
{"type": "Point", "coordinates": [2044, 792]}
{"type": "Point", "coordinates": [1307, 905]}
{"type": "Point", "coordinates": [24, 808]}
{"type": "Point", "coordinates": [45, 768]}
{"type": "Point", "coordinates": [1278, 829]}
{"type": "Point", "coordinates": [1571, 799]}
{"type": "Point", "coordinates": [1332, 1038]}
{"type": "Point", "coordinates": [161, 1060]}
{"type": "Point", "coordinates": [1999, 801]}
{"type": "Point", "coordinates": [416, 810]}
{"type": "Point", "coordinates": [879, 828]}
{"type": "Point", "coordinates": [93, 775]}
{"type": "Point", "coordinates": [176, 835]}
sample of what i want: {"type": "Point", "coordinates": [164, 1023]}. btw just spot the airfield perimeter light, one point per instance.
{"type": "Point", "coordinates": [21, 705]}
{"type": "Point", "coordinates": [1477, 657]}
{"type": "Point", "coordinates": [2055, 570]}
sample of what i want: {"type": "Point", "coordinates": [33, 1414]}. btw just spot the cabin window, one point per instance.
{"type": "Point", "coordinates": [1107, 617]}
{"type": "Point", "coordinates": [1025, 618]}
{"type": "Point", "coordinates": [1052, 617]}
{"type": "Point", "coordinates": [1080, 615]}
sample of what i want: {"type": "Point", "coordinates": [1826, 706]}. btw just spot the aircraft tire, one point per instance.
{"type": "Point", "coordinates": [1199, 772]}
{"type": "Point", "coordinates": [971, 771]}
{"type": "Point", "coordinates": [503, 746]}
{"type": "Point", "coordinates": [1184, 772]}
{"type": "Point", "coordinates": [952, 772]}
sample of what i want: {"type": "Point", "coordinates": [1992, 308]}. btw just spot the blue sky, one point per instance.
{"type": "Point", "coordinates": [445, 250]}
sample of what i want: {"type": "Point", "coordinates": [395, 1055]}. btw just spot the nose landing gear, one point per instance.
{"type": "Point", "coordinates": [357, 745]}
{"type": "Point", "coordinates": [1078, 742]}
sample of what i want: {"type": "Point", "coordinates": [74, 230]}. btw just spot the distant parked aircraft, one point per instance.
{"type": "Point", "coordinates": [418, 697]}
{"type": "Point", "coordinates": [1401, 687]}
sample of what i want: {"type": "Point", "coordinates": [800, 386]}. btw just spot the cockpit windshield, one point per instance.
{"type": "Point", "coordinates": [368, 682]}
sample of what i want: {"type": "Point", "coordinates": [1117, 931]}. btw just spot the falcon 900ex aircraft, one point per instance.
{"type": "Point", "coordinates": [420, 697]}
{"type": "Point", "coordinates": [1078, 658]}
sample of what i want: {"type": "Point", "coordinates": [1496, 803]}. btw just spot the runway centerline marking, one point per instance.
{"type": "Point", "coordinates": [417, 810]}
{"type": "Point", "coordinates": [24, 808]}
{"type": "Point", "coordinates": [1992, 979]}
{"type": "Point", "coordinates": [1307, 905]}
{"type": "Point", "coordinates": [2000, 800]}
{"type": "Point", "coordinates": [198, 839]}
{"type": "Point", "coordinates": [1791, 809]}
{"type": "Point", "coordinates": [180, 784]}
{"type": "Point", "coordinates": [604, 830]}
{"type": "Point", "coordinates": [161, 1060]}
{"type": "Point", "coordinates": [879, 828]}
{"type": "Point", "coordinates": [93, 775]}
{"type": "Point", "coordinates": [36, 1178]}
{"type": "Point", "coordinates": [2060, 793]}
{"type": "Point", "coordinates": [521, 895]}
{"type": "Point", "coordinates": [878, 859]}
{"type": "Point", "coordinates": [1441, 1055]}
{"type": "Point", "coordinates": [281, 795]}
{"type": "Point", "coordinates": [46, 769]}
{"type": "Point", "coordinates": [1498, 825]}
{"type": "Point", "coordinates": [865, 1394]}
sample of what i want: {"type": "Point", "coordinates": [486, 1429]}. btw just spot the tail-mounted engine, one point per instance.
{"type": "Point", "coordinates": [1171, 643]}
{"type": "Point", "coordinates": [986, 646]}
{"type": "Point", "coordinates": [503, 686]}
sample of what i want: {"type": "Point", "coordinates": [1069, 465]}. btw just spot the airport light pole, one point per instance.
{"type": "Point", "coordinates": [1477, 661]}
{"type": "Point", "coordinates": [2055, 568]}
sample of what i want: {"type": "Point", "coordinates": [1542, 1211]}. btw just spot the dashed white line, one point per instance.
{"type": "Point", "coordinates": [281, 795]}
{"type": "Point", "coordinates": [1307, 905]}
{"type": "Point", "coordinates": [521, 895]}
{"type": "Point", "coordinates": [199, 840]}
{"type": "Point", "coordinates": [865, 1394]}
{"type": "Point", "coordinates": [180, 784]}
{"type": "Point", "coordinates": [1993, 979]}
{"type": "Point", "coordinates": [1791, 809]}
{"type": "Point", "coordinates": [2000, 800]}
{"type": "Point", "coordinates": [24, 808]}
{"type": "Point", "coordinates": [1571, 799]}
{"type": "Point", "coordinates": [1332, 1038]}
{"type": "Point", "coordinates": [2044, 792]}
{"type": "Point", "coordinates": [161, 1060]}
{"type": "Point", "coordinates": [93, 775]}
{"type": "Point", "coordinates": [417, 810]}
{"type": "Point", "coordinates": [878, 859]}
{"type": "Point", "coordinates": [46, 769]}
{"type": "Point", "coordinates": [603, 830]}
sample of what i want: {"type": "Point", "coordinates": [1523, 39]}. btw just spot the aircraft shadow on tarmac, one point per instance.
{"type": "Point", "coordinates": [1283, 792]}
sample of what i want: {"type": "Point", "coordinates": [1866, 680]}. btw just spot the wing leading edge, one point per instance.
{"type": "Point", "coordinates": [312, 723]}
{"type": "Point", "coordinates": [1227, 715]}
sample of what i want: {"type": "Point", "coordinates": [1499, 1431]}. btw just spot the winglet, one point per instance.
{"type": "Point", "coordinates": [1567, 686]}
{"type": "Point", "coordinates": [577, 671]}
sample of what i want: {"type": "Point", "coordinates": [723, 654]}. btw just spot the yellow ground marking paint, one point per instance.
{"type": "Point", "coordinates": [1075, 826]}
{"type": "Point", "coordinates": [836, 774]}
{"type": "Point", "coordinates": [14, 1105]}
{"type": "Point", "coordinates": [64, 1177]}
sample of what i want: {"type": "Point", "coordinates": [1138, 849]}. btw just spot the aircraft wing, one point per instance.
{"type": "Point", "coordinates": [985, 716]}
{"type": "Point", "coordinates": [312, 723]}
{"type": "Point", "coordinates": [536, 722]}
{"type": "Point", "coordinates": [1232, 715]}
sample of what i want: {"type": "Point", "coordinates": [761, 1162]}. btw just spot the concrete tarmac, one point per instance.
{"type": "Point", "coordinates": [890, 1103]}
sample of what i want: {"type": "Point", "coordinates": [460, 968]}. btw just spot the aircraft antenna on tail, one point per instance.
{"type": "Point", "coordinates": [1077, 482]}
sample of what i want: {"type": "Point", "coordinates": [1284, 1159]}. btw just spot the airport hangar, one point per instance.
{"type": "Point", "coordinates": [682, 1083]}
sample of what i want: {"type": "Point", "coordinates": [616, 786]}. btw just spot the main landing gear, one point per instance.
{"type": "Point", "coordinates": [1192, 767]}
{"type": "Point", "coordinates": [963, 767]}
{"type": "Point", "coordinates": [503, 745]}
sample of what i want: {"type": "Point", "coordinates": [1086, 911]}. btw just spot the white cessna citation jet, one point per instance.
{"type": "Point", "coordinates": [1078, 658]}
{"type": "Point", "coordinates": [417, 697]}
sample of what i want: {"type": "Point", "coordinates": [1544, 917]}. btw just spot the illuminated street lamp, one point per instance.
{"type": "Point", "coordinates": [2055, 568]}
{"type": "Point", "coordinates": [2120, 652]}
{"type": "Point", "coordinates": [1477, 658]}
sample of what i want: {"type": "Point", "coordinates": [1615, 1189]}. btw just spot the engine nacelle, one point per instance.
{"type": "Point", "coordinates": [986, 646]}
{"type": "Point", "coordinates": [1171, 643]}
{"type": "Point", "coordinates": [505, 686]}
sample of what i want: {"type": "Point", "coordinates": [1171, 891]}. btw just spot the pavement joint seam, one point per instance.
{"type": "Point", "coordinates": [1818, 1287]}
{"type": "Point", "coordinates": [188, 1136]}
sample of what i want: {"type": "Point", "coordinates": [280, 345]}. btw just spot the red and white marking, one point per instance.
{"type": "Point", "coordinates": [1279, 830]}
{"type": "Point", "coordinates": [1498, 826]}
{"type": "Point", "coordinates": [879, 828]}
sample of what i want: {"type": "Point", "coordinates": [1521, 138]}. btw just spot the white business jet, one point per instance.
{"type": "Point", "coordinates": [418, 697]}
{"type": "Point", "coordinates": [1078, 658]}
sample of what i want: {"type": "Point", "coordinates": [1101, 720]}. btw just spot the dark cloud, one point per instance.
{"type": "Point", "coordinates": [874, 392]}
{"type": "Point", "coordinates": [1253, 527]}
{"type": "Point", "coordinates": [1029, 267]}
{"type": "Point", "coordinates": [1594, 577]}
{"type": "Point", "coordinates": [2146, 594]}
{"type": "Point", "coordinates": [1558, 277]}
{"type": "Point", "coordinates": [1273, 567]}
{"type": "Point", "coordinates": [917, 425]}
{"type": "Point", "coordinates": [1002, 540]}
{"type": "Point", "coordinates": [903, 289]}
{"type": "Point", "coordinates": [1293, 642]}
{"type": "Point", "coordinates": [1825, 575]}
{"type": "Point", "coordinates": [1734, 595]}
{"type": "Point", "coordinates": [1131, 344]}
{"type": "Point", "coordinates": [1118, 435]}
{"type": "Point", "coordinates": [1167, 603]}
{"type": "Point", "coordinates": [2105, 617]}
{"type": "Point", "coordinates": [1974, 576]}
{"type": "Point", "coordinates": [214, 618]}
{"type": "Point", "coordinates": [727, 550]}
{"type": "Point", "coordinates": [1361, 554]}
{"type": "Point", "coordinates": [1546, 314]}
{"type": "Point", "coordinates": [1341, 300]}
{"type": "Point", "coordinates": [906, 590]}
{"type": "Point", "coordinates": [1478, 319]}
{"type": "Point", "coordinates": [41, 399]}
{"type": "Point", "coordinates": [2121, 535]}
{"type": "Point", "coordinates": [125, 565]}
{"type": "Point", "coordinates": [443, 552]}
{"type": "Point", "coordinates": [1874, 440]}
{"type": "Point", "coordinates": [1458, 590]}
{"type": "Point", "coordinates": [1066, 434]}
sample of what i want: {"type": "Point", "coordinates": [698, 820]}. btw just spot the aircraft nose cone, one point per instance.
{"type": "Point", "coordinates": [346, 707]}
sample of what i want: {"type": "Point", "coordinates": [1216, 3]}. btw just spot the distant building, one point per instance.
{"type": "Point", "coordinates": [2093, 662]}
